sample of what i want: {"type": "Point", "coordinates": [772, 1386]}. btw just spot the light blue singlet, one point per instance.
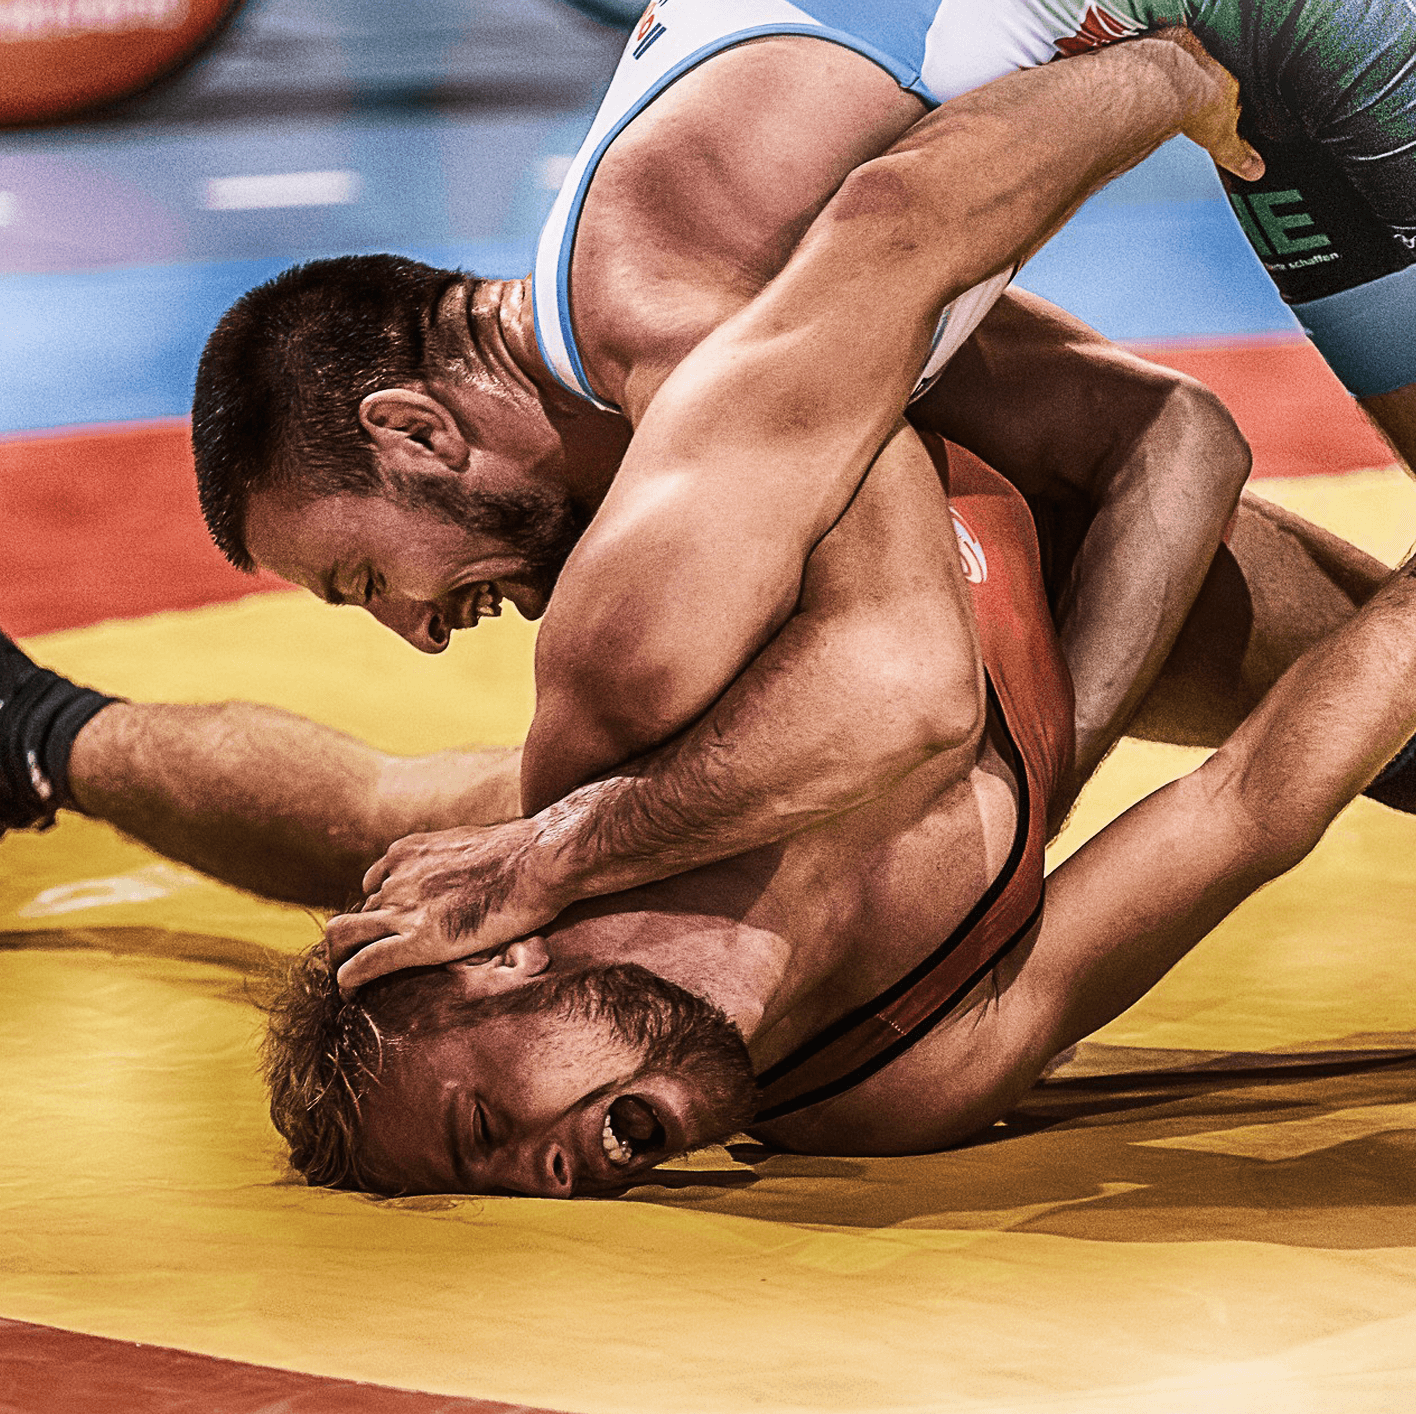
{"type": "Point", "coordinates": [1329, 90]}
{"type": "Point", "coordinates": [934, 50]}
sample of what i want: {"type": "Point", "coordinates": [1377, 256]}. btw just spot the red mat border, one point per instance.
{"type": "Point", "coordinates": [47, 1370]}
{"type": "Point", "coordinates": [102, 522]}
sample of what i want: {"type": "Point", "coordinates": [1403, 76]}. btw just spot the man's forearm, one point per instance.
{"type": "Point", "coordinates": [1133, 472]}
{"type": "Point", "coordinates": [1142, 892]}
{"type": "Point", "coordinates": [1164, 504]}
{"type": "Point", "coordinates": [794, 742]}
{"type": "Point", "coordinates": [1330, 722]}
{"type": "Point", "coordinates": [977, 185]}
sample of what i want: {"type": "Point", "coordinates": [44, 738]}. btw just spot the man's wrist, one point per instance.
{"type": "Point", "coordinates": [1183, 63]}
{"type": "Point", "coordinates": [563, 854]}
{"type": "Point", "coordinates": [1163, 72]}
{"type": "Point", "coordinates": [608, 836]}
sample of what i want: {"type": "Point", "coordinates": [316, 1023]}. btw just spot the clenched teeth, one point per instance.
{"type": "Point", "coordinates": [616, 1152]}
{"type": "Point", "coordinates": [487, 604]}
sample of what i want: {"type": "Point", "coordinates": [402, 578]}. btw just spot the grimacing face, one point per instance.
{"type": "Point", "coordinates": [423, 570]}
{"type": "Point", "coordinates": [547, 1103]}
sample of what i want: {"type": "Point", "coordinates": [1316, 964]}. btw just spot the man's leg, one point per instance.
{"type": "Point", "coordinates": [1278, 586]}
{"type": "Point", "coordinates": [1330, 101]}
{"type": "Point", "coordinates": [1395, 414]}
{"type": "Point", "coordinates": [258, 797]}
{"type": "Point", "coordinates": [1346, 273]}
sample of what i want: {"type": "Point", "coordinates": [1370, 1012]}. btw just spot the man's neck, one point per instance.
{"type": "Point", "coordinates": [500, 325]}
{"type": "Point", "coordinates": [787, 939]}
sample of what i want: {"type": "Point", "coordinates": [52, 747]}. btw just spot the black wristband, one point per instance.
{"type": "Point", "coordinates": [41, 716]}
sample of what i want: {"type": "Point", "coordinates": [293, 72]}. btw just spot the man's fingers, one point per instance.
{"type": "Point", "coordinates": [392, 954]}
{"type": "Point", "coordinates": [378, 872]}
{"type": "Point", "coordinates": [349, 932]}
{"type": "Point", "coordinates": [1240, 158]}
{"type": "Point", "coordinates": [374, 960]}
{"type": "Point", "coordinates": [1215, 127]}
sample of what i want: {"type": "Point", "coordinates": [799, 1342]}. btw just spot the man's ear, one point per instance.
{"type": "Point", "coordinates": [503, 968]}
{"type": "Point", "coordinates": [403, 422]}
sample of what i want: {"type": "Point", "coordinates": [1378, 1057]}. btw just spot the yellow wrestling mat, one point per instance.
{"type": "Point", "coordinates": [1208, 1209]}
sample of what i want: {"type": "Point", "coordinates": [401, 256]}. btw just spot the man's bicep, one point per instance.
{"type": "Point", "coordinates": [743, 462]}
{"type": "Point", "coordinates": [664, 602]}
{"type": "Point", "coordinates": [886, 575]}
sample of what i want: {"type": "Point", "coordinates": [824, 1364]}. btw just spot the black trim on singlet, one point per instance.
{"type": "Point", "coordinates": [878, 1062]}
{"type": "Point", "coordinates": [921, 970]}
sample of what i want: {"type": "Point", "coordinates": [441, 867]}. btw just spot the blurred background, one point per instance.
{"type": "Point", "coordinates": [160, 157]}
{"type": "Point", "coordinates": [438, 128]}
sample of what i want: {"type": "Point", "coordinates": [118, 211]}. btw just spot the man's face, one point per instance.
{"type": "Point", "coordinates": [423, 570]}
{"type": "Point", "coordinates": [542, 1103]}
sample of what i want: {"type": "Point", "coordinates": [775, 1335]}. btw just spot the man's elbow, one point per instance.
{"type": "Point", "coordinates": [1219, 456]}
{"type": "Point", "coordinates": [1272, 828]}
{"type": "Point", "coordinates": [909, 223]}
{"type": "Point", "coordinates": [640, 706]}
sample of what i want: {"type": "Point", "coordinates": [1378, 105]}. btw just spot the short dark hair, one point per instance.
{"type": "Point", "coordinates": [322, 1053]}
{"type": "Point", "coordinates": [282, 376]}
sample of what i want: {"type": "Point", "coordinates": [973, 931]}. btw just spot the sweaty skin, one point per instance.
{"type": "Point", "coordinates": [292, 810]}
{"type": "Point", "coordinates": [693, 544]}
{"type": "Point", "coordinates": [1084, 410]}
{"type": "Point", "coordinates": [787, 940]}
{"type": "Point", "coordinates": [720, 389]}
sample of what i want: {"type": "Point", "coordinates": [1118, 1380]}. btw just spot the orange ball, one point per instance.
{"type": "Point", "coordinates": [59, 57]}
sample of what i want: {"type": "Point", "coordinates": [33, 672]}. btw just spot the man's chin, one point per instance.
{"type": "Point", "coordinates": [528, 597]}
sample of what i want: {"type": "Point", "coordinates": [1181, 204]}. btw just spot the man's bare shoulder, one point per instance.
{"type": "Point", "coordinates": [701, 199]}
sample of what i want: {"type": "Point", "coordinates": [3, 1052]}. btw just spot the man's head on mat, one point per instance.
{"type": "Point", "coordinates": [352, 435]}
{"type": "Point", "coordinates": [569, 1083]}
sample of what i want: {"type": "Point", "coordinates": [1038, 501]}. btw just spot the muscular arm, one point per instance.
{"type": "Point", "coordinates": [884, 613]}
{"type": "Point", "coordinates": [741, 464]}
{"type": "Point", "coordinates": [1146, 463]}
{"type": "Point", "coordinates": [747, 451]}
{"type": "Point", "coordinates": [1132, 901]}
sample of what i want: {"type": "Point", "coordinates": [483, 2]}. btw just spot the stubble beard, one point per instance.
{"type": "Point", "coordinates": [541, 526]}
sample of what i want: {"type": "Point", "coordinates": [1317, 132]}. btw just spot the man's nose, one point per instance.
{"type": "Point", "coordinates": [539, 1169]}
{"type": "Point", "coordinates": [416, 620]}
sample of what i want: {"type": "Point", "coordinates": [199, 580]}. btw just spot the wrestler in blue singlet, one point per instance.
{"type": "Point", "coordinates": [1329, 91]}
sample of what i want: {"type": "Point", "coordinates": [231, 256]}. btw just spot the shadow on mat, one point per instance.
{"type": "Point", "coordinates": [246, 969]}
{"type": "Point", "coordinates": [1311, 1149]}
{"type": "Point", "coordinates": [1314, 1149]}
